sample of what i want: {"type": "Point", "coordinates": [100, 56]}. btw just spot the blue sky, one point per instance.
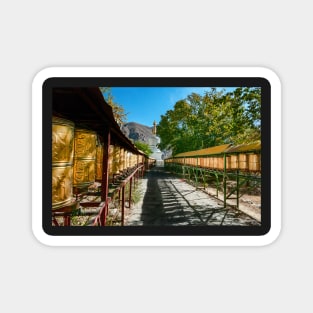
{"type": "Point", "coordinates": [146, 104]}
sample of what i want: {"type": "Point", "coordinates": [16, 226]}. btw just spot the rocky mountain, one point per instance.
{"type": "Point", "coordinates": [137, 131]}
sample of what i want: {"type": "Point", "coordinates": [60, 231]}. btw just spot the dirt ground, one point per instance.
{"type": "Point", "coordinates": [249, 204]}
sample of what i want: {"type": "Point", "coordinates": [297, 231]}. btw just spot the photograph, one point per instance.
{"type": "Point", "coordinates": [156, 157]}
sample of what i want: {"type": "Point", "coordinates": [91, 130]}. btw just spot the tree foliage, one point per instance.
{"type": "Point", "coordinates": [217, 117]}
{"type": "Point", "coordinates": [118, 111]}
{"type": "Point", "coordinates": [143, 147]}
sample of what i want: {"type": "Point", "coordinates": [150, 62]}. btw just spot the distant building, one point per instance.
{"type": "Point", "coordinates": [154, 140]}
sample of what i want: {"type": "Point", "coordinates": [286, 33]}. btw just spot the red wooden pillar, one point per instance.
{"type": "Point", "coordinates": [105, 173]}
{"type": "Point", "coordinates": [123, 204]}
{"type": "Point", "coordinates": [130, 191]}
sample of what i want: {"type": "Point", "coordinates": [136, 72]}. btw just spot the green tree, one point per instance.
{"type": "Point", "coordinates": [144, 147]}
{"type": "Point", "coordinates": [216, 118]}
{"type": "Point", "coordinates": [174, 127]}
{"type": "Point", "coordinates": [246, 115]}
{"type": "Point", "coordinates": [118, 111]}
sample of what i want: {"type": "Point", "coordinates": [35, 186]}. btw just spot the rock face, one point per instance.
{"type": "Point", "coordinates": [138, 132]}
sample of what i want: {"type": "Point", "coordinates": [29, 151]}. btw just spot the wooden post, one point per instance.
{"type": "Point", "coordinates": [123, 204]}
{"type": "Point", "coordinates": [105, 173]}
{"type": "Point", "coordinates": [237, 187]}
{"type": "Point", "coordinates": [224, 181]}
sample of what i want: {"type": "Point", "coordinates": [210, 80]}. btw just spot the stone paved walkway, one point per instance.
{"type": "Point", "coordinates": [168, 200]}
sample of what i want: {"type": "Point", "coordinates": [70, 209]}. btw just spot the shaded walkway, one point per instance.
{"type": "Point", "coordinates": [170, 201]}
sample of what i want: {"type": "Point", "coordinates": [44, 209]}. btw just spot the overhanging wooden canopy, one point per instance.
{"type": "Point", "coordinates": [87, 108]}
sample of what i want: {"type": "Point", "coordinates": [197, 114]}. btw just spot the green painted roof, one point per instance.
{"type": "Point", "coordinates": [228, 148]}
{"type": "Point", "coordinates": [245, 148]}
{"type": "Point", "coordinates": [207, 151]}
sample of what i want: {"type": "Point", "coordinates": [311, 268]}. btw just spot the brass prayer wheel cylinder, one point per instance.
{"type": "Point", "coordinates": [116, 160]}
{"type": "Point", "coordinates": [84, 158]}
{"type": "Point", "coordinates": [254, 162]}
{"type": "Point", "coordinates": [133, 160]}
{"type": "Point", "coordinates": [99, 161]}
{"type": "Point", "coordinates": [126, 160]}
{"type": "Point", "coordinates": [110, 161]}
{"type": "Point", "coordinates": [121, 160]}
{"type": "Point", "coordinates": [234, 162]}
{"type": "Point", "coordinates": [62, 162]}
{"type": "Point", "coordinates": [243, 161]}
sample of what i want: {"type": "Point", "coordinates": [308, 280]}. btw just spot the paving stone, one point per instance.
{"type": "Point", "coordinates": [168, 200]}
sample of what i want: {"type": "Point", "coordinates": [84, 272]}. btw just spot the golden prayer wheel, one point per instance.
{"type": "Point", "coordinates": [133, 160]}
{"type": "Point", "coordinates": [84, 158]}
{"type": "Point", "coordinates": [243, 161]}
{"type": "Point", "coordinates": [254, 162]}
{"type": "Point", "coordinates": [126, 160]}
{"type": "Point", "coordinates": [111, 154]}
{"type": "Point", "coordinates": [62, 162]}
{"type": "Point", "coordinates": [121, 161]}
{"type": "Point", "coordinates": [228, 162]}
{"type": "Point", "coordinates": [234, 162]}
{"type": "Point", "coordinates": [115, 160]}
{"type": "Point", "coordinates": [99, 161]}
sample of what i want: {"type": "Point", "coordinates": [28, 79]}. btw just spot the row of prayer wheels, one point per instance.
{"type": "Point", "coordinates": [77, 158]}
{"type": "Point", "coordinates": [242, 161]}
